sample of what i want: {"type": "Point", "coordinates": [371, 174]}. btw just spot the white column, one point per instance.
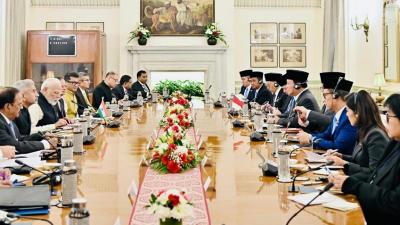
{"type": "Point", "coordinates": [2, 41]}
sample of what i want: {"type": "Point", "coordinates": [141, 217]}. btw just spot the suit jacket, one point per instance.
{"type": "Point", "coordinates": [23, 122]}
{"type": "Point", "coordinates": [319, 121]}
{"type": "Point", "coordinates": [282, 101]}
{"type": "Point", "coordinates": [343, 138]}
{"type": "Point", "coordinates": [367, 153]}
{"type": "Point", "coordinates": [101, 91]}
{"type": "Point", "coordinates": [136, 87]}
{"type": "Point", "coordinates": [305, 99]}
{"type": "Point", "coordinates": [22, 144]}
{"type": "Point", "coordinates": [242, 89]}
{"type": "Point", "coordinates": [82, 104]}
{"type": "Point", "coordinates": [119, 92]}
{"type": "Point", "coordinates": [379, 192]}
{"type": "Point", "coordinates": [263, 95]}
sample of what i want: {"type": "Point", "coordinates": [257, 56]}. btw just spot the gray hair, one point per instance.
{"type": "Point", "coordinates": [51, 83]}
{"type": "Point", "coordinates": [22, 85]}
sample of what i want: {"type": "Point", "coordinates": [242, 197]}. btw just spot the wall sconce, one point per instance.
{"type": "Point", "coordinates": [357, 26]}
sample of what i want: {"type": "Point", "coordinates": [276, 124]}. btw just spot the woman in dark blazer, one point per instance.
{"type": "Point", "coordinates": [378, 192]}
{"type": "Point", "coordinates": [372, 138]}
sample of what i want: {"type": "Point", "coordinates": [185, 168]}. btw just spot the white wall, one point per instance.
{"type": "Point", "coordinates": [313, 17]}
{"type": "Point", "coordinates": [2, 41]}
{"type": "Point", "coordinates": [364, 59]}
{"type": "Point", "coordinates": [37, 17]}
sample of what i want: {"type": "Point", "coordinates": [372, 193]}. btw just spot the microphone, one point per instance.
{"type": "Point", "coordinates": [293, 188]}
{"type": "Point", "coordinates": [53, 193]}
{"type": "Point", "coordinates": [326, 188]}
{"type": "Point", "coordinates": [291, 115]}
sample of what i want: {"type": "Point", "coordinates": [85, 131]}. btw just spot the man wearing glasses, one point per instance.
{"type": "Point", "coordinates": [103, 90]}
{"type": "Point", "coordinates": [72, 81]}
{"type": "Point", "coordinates": [82, 93]}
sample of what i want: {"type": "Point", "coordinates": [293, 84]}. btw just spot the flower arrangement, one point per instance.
{"type": "Point", "coordinates": [213, 32]}
{"type": "Point", "coordinates": [172, 158]}
{"type": "Point", "coordinates": [141, 32]}
{"type": "Point", "coordinates": [179, 100]}
{"type": "Point", "coordinates": [182, 119]}
{"type": "Point", "coordinates": [170, 206]}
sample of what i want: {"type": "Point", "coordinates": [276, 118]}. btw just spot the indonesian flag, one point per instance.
{"type": "Point", "coordinates": [102, 110]}
{"type": "Point", "coordinates": [238, 102]}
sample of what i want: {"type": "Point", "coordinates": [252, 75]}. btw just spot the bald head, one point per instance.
{"type": "Point", "coordinates": [51, 89]}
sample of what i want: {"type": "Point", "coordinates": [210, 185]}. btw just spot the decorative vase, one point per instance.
{"type": "Point", "coordinates": [212, 41]}
{"type": "Point", "coordinates": [142, 41]}
{"type": "Point", "coordinates": [171, 221]}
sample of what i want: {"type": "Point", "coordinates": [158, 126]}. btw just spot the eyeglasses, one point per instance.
{"type": "Point", "coordinates": [73, 82]}
{"type": "Point", "coordinates": [116, 80]}
{"type": "Point", "coordinates": [388, 117]}
{"type": "Point", "coordinates": [326, 94]}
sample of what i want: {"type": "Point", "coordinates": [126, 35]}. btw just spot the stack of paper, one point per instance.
{"type": "Point", "coordinates": [325, 172]}
{"type": "Point", "coordinates": [314, 157]}
{"type": "Point", "coordinates": [33, 161]}
{"type": "Point", "coordinates": [341, 205]}
{"type": "Point", "coordinates": [305, 198]}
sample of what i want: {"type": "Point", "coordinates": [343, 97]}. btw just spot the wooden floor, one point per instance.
{"type": "Point", "coordinates": [238, 194]}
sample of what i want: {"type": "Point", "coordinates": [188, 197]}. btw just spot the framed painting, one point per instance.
{"type": "Point", "coordinates": [292, 33]}
{"type": "Point", "coordinates": [60, 26]}
{"type": "Point", "coordinates": [90, 26]}
{"type": "Point", "coordinates": [177, 17]}
{"type": "Point", "coordinates": [263, 33]}
{"type": "Point", "coordinates": [263, 56]}
{"type": "Point", "coordinates": [292, 56]}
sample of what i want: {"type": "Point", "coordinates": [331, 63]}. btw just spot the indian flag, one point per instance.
{"type": "Point", "coordinates": [238, 102]}
{"type": "Point", "coordinates": [102, 110]}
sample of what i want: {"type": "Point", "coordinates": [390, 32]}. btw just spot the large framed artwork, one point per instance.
{"type": "Point", "coordinates": [263, 56]}
{"type": "Point", "coordinates": [292, 56]}
{"type": "Point", "coordinates": [292, 33]}
{"type": "Point", "coordinates": [177, 17]}
{"type": "Point", "coordinates": [263, 33]}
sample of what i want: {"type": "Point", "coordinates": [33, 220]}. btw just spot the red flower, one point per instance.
{"type": "Point", "coordinates": [164, 160]}
{"type": "Point", "coordinates": [173, 167]}
{"type": "Point", "coordinates": [180, 117]}
{"type": "Point", "coordinates": [172, 146]}
{"type": "Point", "coordinates": [174, 199]}
{"type": "Point", "coordinates": [186, 114]}
{"type": "Point", "coordinates": [182, 123]}
{"type": "Point", "coordinates": [156, 155]}
{"type": "Point", "coordinates": [169, 120]}
{"type": "Point", "coordinates": [184, 158]}
{"type": "Point", "coordinates": [175, 129]}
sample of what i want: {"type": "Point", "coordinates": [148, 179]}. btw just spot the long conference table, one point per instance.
{"type": "Point", "coordinates": [238, 194]}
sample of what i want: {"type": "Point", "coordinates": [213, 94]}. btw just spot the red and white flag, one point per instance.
{"type": "Point", "coordinates": [238, 102]}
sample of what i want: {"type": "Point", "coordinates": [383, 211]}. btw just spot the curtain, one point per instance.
{"type": "Point", "coordinates": [334, 36]}
{"type": "Point", "coordinates": [14, 41]}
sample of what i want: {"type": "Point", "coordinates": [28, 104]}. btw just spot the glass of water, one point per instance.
{"type": "Point", "coordinates": [283, 166]}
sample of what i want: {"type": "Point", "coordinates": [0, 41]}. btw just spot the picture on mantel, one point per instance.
{"type": "Point", "coordinates": [177, 17]}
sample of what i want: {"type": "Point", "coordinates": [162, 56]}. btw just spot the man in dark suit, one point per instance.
{"type": "Point", "coordinates": [340, 134]}
{"type": "Point", "coordinates": [141, 86]}
{"type": "Point", "coordinates": [29, 96]}
{"type": "Point", "coordinates": [82, 94]}
{"type": "Point", "coordinates": [275, 82]}
{"type": "Point", "coordinates": [103, 90]}
{"type": "Point", "coordinates": [10, 106]}
{"type": "Point", "coordinates": [123, 88]}
{"type": "Point", "coordinates": [261, 94]}
{"type": "Point", "coordinates": [246, 89]}
{"type": "Point", "coordinates": [313, 121]}
{"type": "Point", "coordinates": [297, 88]}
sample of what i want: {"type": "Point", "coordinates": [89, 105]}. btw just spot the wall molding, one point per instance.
{"type": "Point", "coordinates": [75, 3]}
{"type": "Point", "coordinates": [279, 3]}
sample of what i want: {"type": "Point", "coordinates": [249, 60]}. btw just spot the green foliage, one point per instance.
{"type": "Point", "coordinates": [190, 88]}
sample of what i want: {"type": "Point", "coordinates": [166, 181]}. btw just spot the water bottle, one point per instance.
{"type": "Point", "coordinates": [139, 98]}
{"type": "Point", "coordinates": [154, 96]}
{"type": "Point", "coordinates": [69, 182]}
{"type": "Point", "coordinates": [257, 119]}
{"type": "Point", "coordinates": [78, 138]}
{"type": "Point", "coordinates": [283, 167]}
{"type": "Point", "coordinates": [79, 215]}
{"type": "Point", "coordinates": [84, 125]}
{"type": "Point", "coordinates": [126, 103]}
{"type": "Point", "coordinates": [207, 99]}
{"type": "Point", "coordinates": [245, 109]}
{"type": "Point", "coordinates": [67, 147]}
{"type": "Point", "coordinates": [270, 125]}
{"type": "Point", "coordinates": [114, 105]}
{"type": "Point", "coordinates": [165, 93]}
{"type": "Point", "coordinates": [86, 115]}
{"type": "Point", "coordinates": [224, 100]}
{"type": "Point", "coordinates": [276, 139]}
{"type": "Point", "coordinates": [230, 101]}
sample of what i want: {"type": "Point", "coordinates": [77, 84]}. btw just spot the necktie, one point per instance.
{"type": "Point", "coordinates": [291, 105]}
{"type": "Point", "coordinates": [246, 92]}
{"type": "Point", "coordinates": [334, 125]}
{"type": "Point", "coordinates": [11, 126]}
{"type": "Point", "coordinates": [273, 99]}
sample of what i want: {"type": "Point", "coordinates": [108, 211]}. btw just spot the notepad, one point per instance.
{"type": "Point", "coordinates": [341, 205]}
{"type": "Point", "coordinates": [325, 172]}
{"type": "Point", "coordinates": [305, 198]}
{"type": "Point", "coordinates": [314, 157]}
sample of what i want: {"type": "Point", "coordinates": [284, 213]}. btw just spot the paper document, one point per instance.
{"type": "Point", "coordinates": [324, 171]}
{"type": "Point", "coordinates": [305, 198]}
{"type": "Point", "coordinates": [34, 162]}
{"type": "Point", "coordinates": [30, 155]}
{"type": "Point", "coordinates": [341, 205]}
{"type": "Point", "coordinates": [312, 157]}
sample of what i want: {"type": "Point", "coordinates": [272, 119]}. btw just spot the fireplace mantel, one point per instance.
{"type": "Point", "coordinates": [210, 59]}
